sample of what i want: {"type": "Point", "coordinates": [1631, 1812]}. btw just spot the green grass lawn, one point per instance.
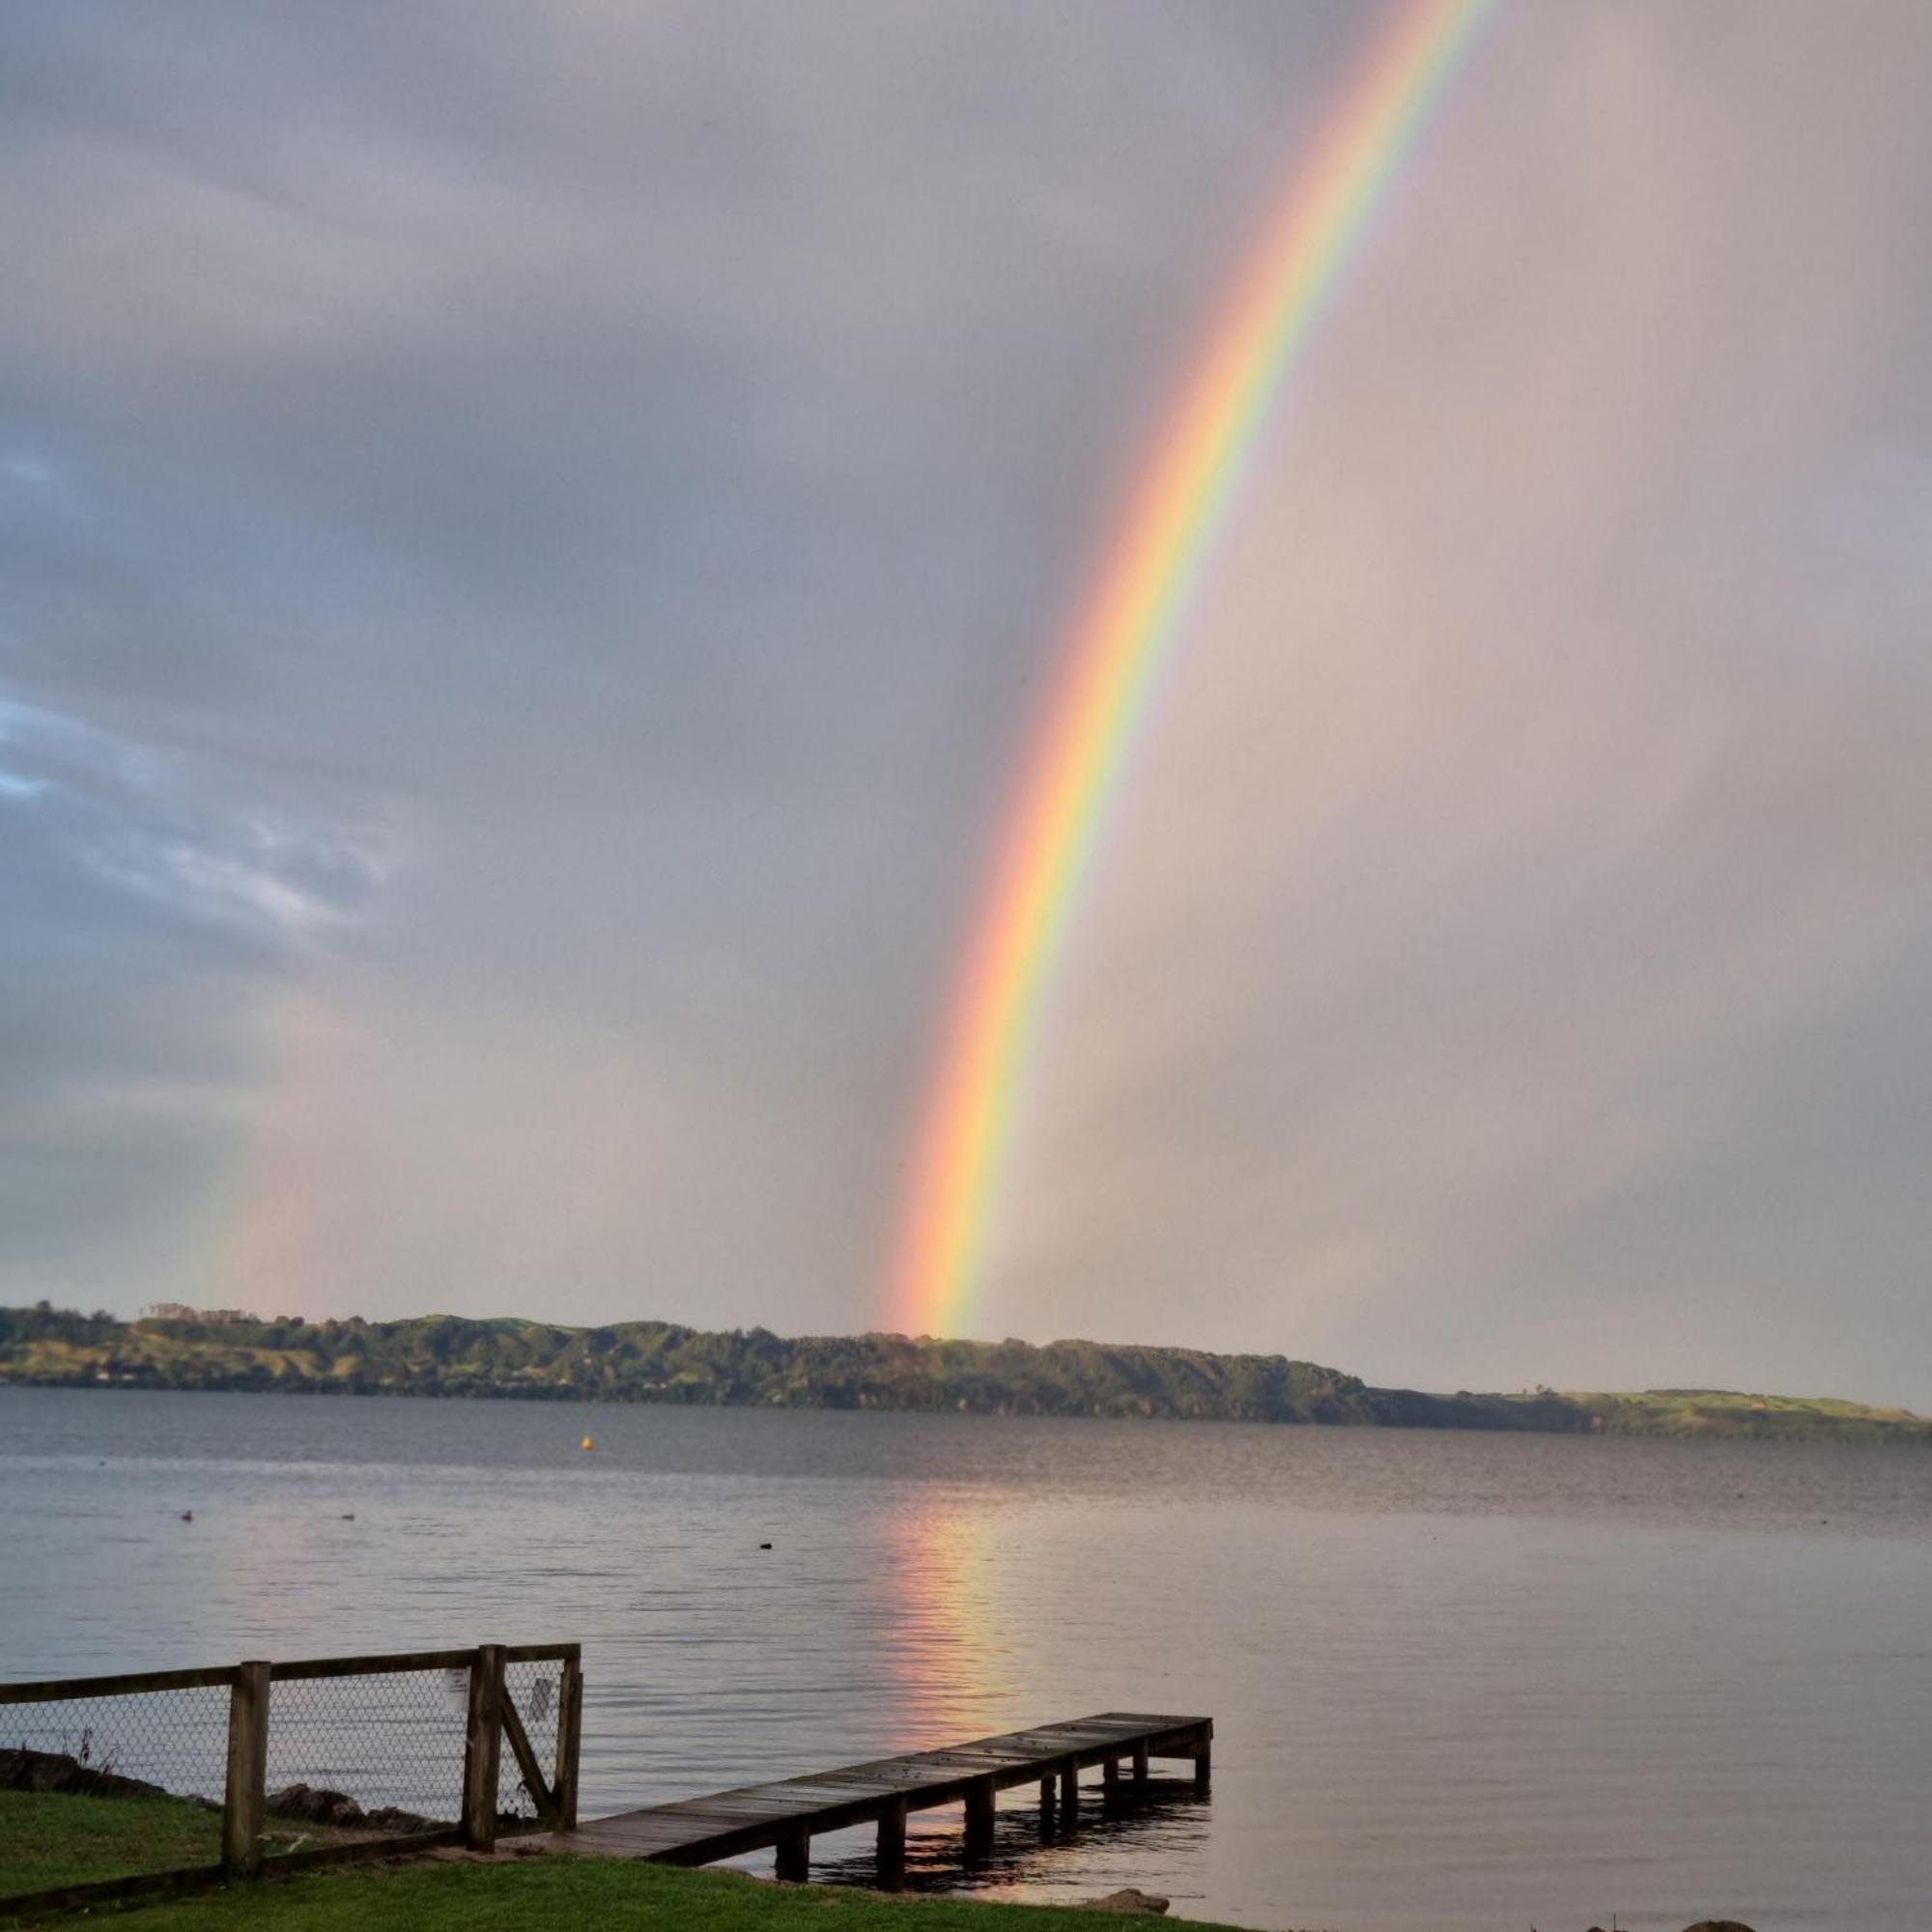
{"type": "Point", "coordinates": [554, 1893]}
{"type": "Point", "coordinates": [49, 1839]}
{"type": "Point", "coordinates": [53, 1838]}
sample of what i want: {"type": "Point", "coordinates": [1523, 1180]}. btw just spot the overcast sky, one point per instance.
{"type": "Point", "coordinates": [530, 539]}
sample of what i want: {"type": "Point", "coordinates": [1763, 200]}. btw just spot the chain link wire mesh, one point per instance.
{"type": "Point", "coordinates": [171, 1741]}
{"type": "Point", "coordinates": [91, 1787]}
{"type": "Point", "coordinates": [376, 1754]}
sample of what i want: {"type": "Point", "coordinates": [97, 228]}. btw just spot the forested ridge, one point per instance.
{"type": "Point", "coordinates": [664, 1363]}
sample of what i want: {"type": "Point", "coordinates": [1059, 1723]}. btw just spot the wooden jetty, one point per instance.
{"type": "Point", "coordinates": [786, 1816]}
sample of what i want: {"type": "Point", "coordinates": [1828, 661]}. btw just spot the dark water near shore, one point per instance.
{"type": "Point", "coordinates": [1479, 1682]}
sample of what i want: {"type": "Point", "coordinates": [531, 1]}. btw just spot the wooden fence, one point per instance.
{"type": "Point", "coordinates": [491, 1720]}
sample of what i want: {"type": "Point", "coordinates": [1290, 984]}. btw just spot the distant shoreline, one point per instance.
{"type": "Point", "coordinates": [454, 1357]}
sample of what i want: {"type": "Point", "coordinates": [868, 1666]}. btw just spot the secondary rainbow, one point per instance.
{"type": "Point", "coordinates": [1125, 629]}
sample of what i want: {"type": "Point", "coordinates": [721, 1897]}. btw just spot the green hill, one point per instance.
{"type": "Point", "coordinates": [662, 1362]}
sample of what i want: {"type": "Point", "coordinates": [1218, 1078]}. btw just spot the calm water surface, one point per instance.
{"type": "Point", "coordinates": [1479, 1682]}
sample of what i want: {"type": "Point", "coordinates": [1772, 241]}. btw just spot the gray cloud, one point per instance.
{"type": "Point", "coordinates": [528, 543]}
{"type": "Point", "coordinates": [129, 817]}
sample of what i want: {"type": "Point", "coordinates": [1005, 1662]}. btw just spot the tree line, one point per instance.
{"type": "Point", "coordinates": [452, 1355]}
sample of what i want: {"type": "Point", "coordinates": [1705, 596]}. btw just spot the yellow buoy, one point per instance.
{"type": "Point", "coordinates": [586, 1444]}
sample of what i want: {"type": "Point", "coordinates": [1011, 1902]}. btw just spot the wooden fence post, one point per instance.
{"type": "Point", "coordinates": [483, 1749]}
{"type": "Point", "coordinates": [569, 1743]}
{"type": "Point", "coordinates": [245, 1798]}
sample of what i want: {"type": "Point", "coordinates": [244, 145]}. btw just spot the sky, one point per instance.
{"type": "Point", "coordinates": [531, 541]}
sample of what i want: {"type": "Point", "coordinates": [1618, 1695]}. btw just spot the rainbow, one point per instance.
{"type": "Point", "coordinates": [1124, 631]}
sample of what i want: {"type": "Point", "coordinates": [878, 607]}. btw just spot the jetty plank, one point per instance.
{"type": "Point", "coordinates": [785, 1814]}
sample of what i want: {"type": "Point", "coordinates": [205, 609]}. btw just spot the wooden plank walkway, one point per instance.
{"type": "Point", "coordinates": [788, 1813]}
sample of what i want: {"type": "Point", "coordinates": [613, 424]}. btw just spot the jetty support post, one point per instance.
{"type": "Point", "coordinates": [1204, 1764]}
{"type": "Point", "coordinates": [1109, 1780]}
{"type": "Point", "coordinates": [1070, 1794]}
{"type": "Point", "coordinates": [891, 1843]}
{"type": "Point", "coordinates": [244, 1797]}
{"type": "Point", "coordinates": [483, 1749]}
{"type": "Point", "coordinates": [1141, 1762]}
{"type": "Point", "coordinates": [1046, 1791]}
{"type": "Point", "coordinates": [794, 1857]}
{"type": "Point", "coordinates": [980, 1802]}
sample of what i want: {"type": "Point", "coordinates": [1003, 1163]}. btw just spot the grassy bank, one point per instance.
{"type": "Point", "coordinates": [54, 1839]}
{"type": "Point", "coordinates": [561, 1895]}
{"type": "Point", "coordinates": [50, 1839]}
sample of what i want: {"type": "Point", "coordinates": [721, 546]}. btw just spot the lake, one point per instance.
{"type": "Point", "coordinates": [1458, 1681]}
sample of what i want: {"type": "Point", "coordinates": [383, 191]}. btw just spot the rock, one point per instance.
{"type": "Point", "coordinates": [315, 1808]}
{"type": "Point", "coordinates": [25, 1770]}
{"type": "Point", "coordinates": [1126, 1902]}
{"type": "Point", "coordinates": [336, 1808]}
{"type": "Point", "coordinates": [393, 1821]}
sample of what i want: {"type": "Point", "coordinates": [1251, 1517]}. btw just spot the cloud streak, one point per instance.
{"type": "Point", "coordinates": [140, 821]}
